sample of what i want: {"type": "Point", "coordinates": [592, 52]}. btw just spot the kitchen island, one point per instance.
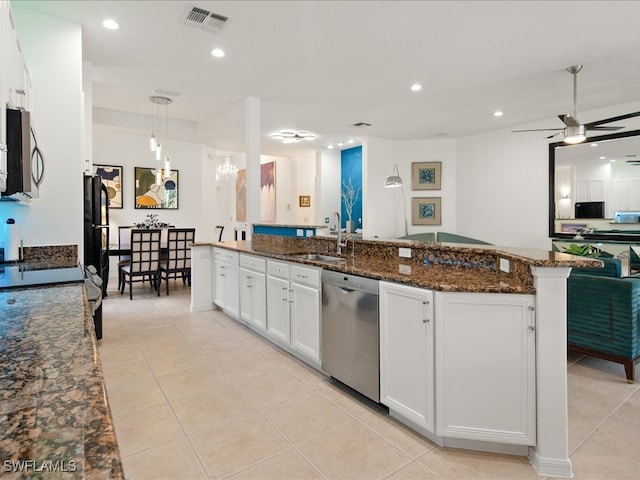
{"type": "Point", "coordinates": [472, 338]}
{"type": "Point", "coordinates": [55, 420]}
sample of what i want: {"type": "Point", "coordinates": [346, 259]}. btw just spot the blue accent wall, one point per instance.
{"type": "Point", "coordinates": [351, 168]}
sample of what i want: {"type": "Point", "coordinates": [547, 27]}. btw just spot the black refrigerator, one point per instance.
{"type": "Point", "coordinates": [96, 227]}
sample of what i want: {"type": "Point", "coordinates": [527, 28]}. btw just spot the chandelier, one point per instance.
{"type": "Point", "coordinates": [227, 170]}
{"type": "Point", "coordinates": [157, 132]}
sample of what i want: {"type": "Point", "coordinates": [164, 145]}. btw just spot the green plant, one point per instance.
{"type": "Point", "coordinates": [585, 250]}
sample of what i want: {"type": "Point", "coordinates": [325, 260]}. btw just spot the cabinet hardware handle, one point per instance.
{"type": "Point", "coordinates": [532, 308]}
{"type": "Point", "coordinates": [532, 328]}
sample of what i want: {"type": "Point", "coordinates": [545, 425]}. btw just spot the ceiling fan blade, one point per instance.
{"type": "Point", "coordinates": [537, 130]}
{"type": "Point", "coordinates": [590, 125]}
{"type": "Point", "coordinates": [610, 129]}
{"type": "Point", "coordinates": [569, 120]}
{"type": "Point", "coordinates": [554, 134]}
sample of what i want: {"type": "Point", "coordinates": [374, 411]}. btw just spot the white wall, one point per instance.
{"type": "Point", "coordinates": [381, 206]}
{"type": "Point", "coordinates": [132, 150]}
{"type": "Point", "coordinates": [305, 185]}
{"type": "Point", "coordinates": [52, 50]}
{"type": "Point", "coordinates": [327, 184]}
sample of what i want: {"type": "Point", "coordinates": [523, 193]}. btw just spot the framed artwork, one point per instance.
{"type": "Point", "coordinates": [426, 175]}
{"type": "Point", "coordinates": [150, 194]}
{"type": "Point", "coordinates": [268, 192]}
{"type": "Point", "coordinates": [426, 211]}
{"type": "Point", "coordinates": [305, 200]}
{"type": "Point", "coordinates": [241, 196]}
{"type": "Point", "coordinates": [111, 176]}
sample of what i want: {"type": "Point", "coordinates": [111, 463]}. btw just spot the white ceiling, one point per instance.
{"type": "Point", "coordinates": [324, 65]}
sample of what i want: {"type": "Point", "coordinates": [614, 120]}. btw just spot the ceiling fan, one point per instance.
{"type": "Point", "coordinates": [574, 131]}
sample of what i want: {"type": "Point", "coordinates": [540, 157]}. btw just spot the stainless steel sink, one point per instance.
{"type": "Point", "coordinates": [318, 258]}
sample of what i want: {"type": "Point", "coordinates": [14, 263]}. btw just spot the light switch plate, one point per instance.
{"type": "Point", "coordinates": [505, 265]}
{"type": "Point", "coordinates": [404, 252]}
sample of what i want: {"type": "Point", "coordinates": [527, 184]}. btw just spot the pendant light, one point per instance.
{"type": "Point", "coordinates": [226, 170]}
{"type": "Point", "coordinates": [159, 133]}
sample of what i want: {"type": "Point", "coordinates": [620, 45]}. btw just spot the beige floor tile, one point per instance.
{"type": "Point", "coordinates": [205, 408]}
{"type": "Point", "coordinates": [134, 396]}
{"type": "Point", "coordinates": [308, 375]}
{"type": "Point", "coordinates": [405, 439]}
{"type": "Point", "coordinates": [127, 353]}
{"type": "Point", "coordinates": [452, 463]}
{"type": "Point", "coordinates": [177, 361]}
{"type": "Point", "coordinates": [169, 461]}
{"type": "Point", "coordinates": [306, 416]}
{"type": "Point", "coordinates": [413, 471]}
{"type": "Point", "coordinates": [257, 365]}
{"type": "Point", "coordinates": [188, 382]}
{"type": "Point", "coordinates": [621, 434]}
{"type": "Point", "coordinates": [114, 340]}
{"type": "Point", "coordinates": [161, 346]}
{"type": "Point", "coordinates": [352, 451]}
{"type": "Point", "coordinates": [597, 462]}
{"type": "Point", "coordinates": [286, 466]}
{"type": "Point", "coordinates": [151, 333]}
{"type": "Point", "coordinates": [236, 444]}
{"type": "Point", "coordinates": [124, 373]}
{"type": "Point", "coordinates": [272, 388]}
{"type": "Point", "coordinates": [146, 428]}
{"type": "Point", "coordinates": [348, 400]}
{"type": "Point", "coordinates": [631, 409]}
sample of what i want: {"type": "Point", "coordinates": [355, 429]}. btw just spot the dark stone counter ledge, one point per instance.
{"type": "Point", "coordinates": [53, 404]}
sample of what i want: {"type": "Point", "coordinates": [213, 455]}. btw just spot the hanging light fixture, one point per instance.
{"type": "Point", "coordinates": [227, 170]}
{"type": "Point", "coordinates": [158, 133]}
{"type": "Point", "coordinates": [392, 181]}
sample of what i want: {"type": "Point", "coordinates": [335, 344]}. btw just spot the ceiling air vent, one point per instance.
{"type": "Point", "coordinates": [361, 124]}
{"type": "Point", "coordinates": [204, 19]}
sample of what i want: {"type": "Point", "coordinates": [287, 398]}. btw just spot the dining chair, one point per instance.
{"type": "Point", "coordinates": [124, 243]}
{"type": "Point", "coordinates": [178, 262]}
{"type": "Point", "coordinates": [221, 228]}
{"type": "Point", "coordinates": [145, 260]}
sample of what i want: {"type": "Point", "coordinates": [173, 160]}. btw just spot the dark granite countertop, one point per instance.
{"type": "Point", "coordinates": [450, 275]}
{"type": "Point", "coordinates": [54, 414]}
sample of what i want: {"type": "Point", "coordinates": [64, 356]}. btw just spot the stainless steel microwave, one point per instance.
{"type": "Point", "coordinates": [22, 159]}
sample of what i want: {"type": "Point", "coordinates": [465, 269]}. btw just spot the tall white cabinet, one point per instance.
{"type": "Point", "coordinates": [253, 291]}
{"type": "Point", "coordinates": [485, 367]}
{"type": "Point", "coordinates": [407, 354]}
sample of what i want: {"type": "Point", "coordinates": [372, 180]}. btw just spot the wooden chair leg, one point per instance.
{"type": "Point", "coordinates": [629, 370]}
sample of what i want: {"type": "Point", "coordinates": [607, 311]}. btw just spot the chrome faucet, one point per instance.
{"type": "Point", "coordinates": [335, 225]}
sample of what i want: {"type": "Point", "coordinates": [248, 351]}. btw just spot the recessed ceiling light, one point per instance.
{"type": "Point", "coordinates": [111, 24]}
{"type": "Point", "coordinates": [330, 147]}
{"type": "Point", "coordinates": [498, 113]}
{"type": "Point", "coordinates": [416, 87]}
{"type": "Point", "coordinates": [350, 141]}
{"type": "Point", "coordinates": [594, 144]}
{"type": "Point", "coordinates": [217, 52]}
{"type": "Point", "coordinates": [602, 158]}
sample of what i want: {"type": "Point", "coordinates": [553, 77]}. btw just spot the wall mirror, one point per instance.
{"type": "Point", "coordinates": [595, 185]}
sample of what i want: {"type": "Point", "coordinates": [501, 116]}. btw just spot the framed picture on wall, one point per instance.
{"type": "Point", "coordinates": [305, 200]}
{"type": "Point", "coordinates": [111, 176]}
{"type": "Point", "coordinates": [426, 211]}
{"type": "Point", "coordinates": [154, 189]}
{"type": "Point", "coordinates": [426, 175]}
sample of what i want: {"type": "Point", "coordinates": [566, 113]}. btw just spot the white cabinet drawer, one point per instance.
{"type": "Point", "coordinates": [253, 263]}
{"type": "Point", "coordinates": [224, 255]}
{"type": "Point", "coordinates": [278, 269]}
{"type": "Point", "coordinates": [306, 275]}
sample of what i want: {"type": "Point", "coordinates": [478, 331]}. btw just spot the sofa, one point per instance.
{"type": "Point", "coordinates": [603, 314]}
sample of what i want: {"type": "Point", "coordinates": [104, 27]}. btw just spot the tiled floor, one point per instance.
{"type": "Point", "coordinates": [198, 396]}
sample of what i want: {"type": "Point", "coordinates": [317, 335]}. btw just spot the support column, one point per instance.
{"type": "Point", "coordinates": [550, 456]}
{"type": "Point", "coordinates": [252, 144]}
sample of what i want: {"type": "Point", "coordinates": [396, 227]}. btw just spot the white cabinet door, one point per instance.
{"type": "Point", "coordinates": [226, 293]}
{"type": "Point", "coordinates": [253, 300]}
{"type": "Point", "coordinates": [219, 283]}
{"type": "Point", "coordinates": [232, 291]}
{"type": "Point", "coordinates": [406, 353]}
{"type": "Point", "coordinates": [485, 367]}
{"type": "Point", "coordinates": [305, 320]}
{"type": "Point", "coordinates": [278, 308]}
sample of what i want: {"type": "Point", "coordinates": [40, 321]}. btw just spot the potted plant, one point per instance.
{"type": "Point", "coordinates": [349, 197]}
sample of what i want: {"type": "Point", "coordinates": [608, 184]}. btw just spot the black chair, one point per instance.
{"type": "Point", "coordinates": [178, 262]}
{"type": "Point", "coordinates": [221, 227]}
{"type": "Point", "coordinates": [124, 241]}
{"type": "Point", "coordinates": [145, 260]}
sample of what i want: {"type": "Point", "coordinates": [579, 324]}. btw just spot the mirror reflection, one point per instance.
{"type": "Point", "coordinates": [595, 185]}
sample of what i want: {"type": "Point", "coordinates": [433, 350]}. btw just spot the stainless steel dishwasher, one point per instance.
{"type": "Point", "coordinates": [350, 332]}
